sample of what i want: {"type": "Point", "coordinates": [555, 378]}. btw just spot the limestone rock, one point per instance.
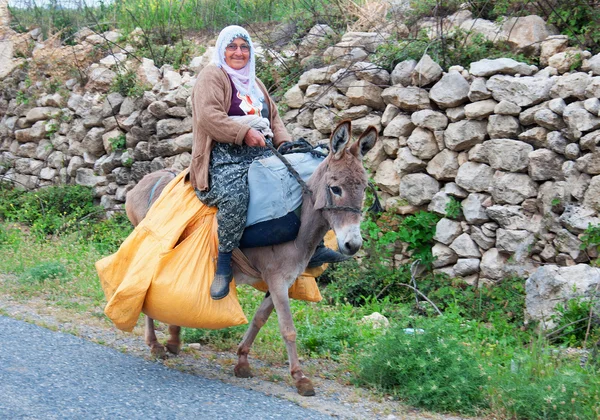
{"type": "Point", "coordinates": [475, 177]}
{"type": "Point", "coordinates": [410, 98]}
{"type": "Point", "coordinates": [511, 188]}
{"type": "Point", "coordinates": [503, 127]}
{"type": "Point", "coordinates": [523, 91]}
{"type": "Point", "coordinates": [422, 143]}
{"type": "Point", "coordinates": [464, 134]}
{"type": "Point", "coordinates": [418, 189]}
{"type": "Point", "coordinates": [487, 67]}
{"type": "Point", "coordinates": [551, 285]}
{"type": "Point", "coordinates": [444, 165]}
{"type": "Point", "coordinates": [473, 210]}
{"type": "Point", "coordinates": [387, 178]}
{"type": "Point", "coordinates": [508, 155]}
{"type": "Point", "coordinates": [407, 163]}
{"type": "Point", "coordinates": [401, 75]}
{"type": "Point", "coordinates": [443, 255]}
{"type": "Point", "coordinates": [464, 247]}
{"type": "Point", "coordinates": [426, 72]}
{"type": "Point", "coordinates": [451, 91]}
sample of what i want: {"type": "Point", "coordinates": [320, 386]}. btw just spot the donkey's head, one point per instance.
{"type": "Point", "coordinates": [340, 184]}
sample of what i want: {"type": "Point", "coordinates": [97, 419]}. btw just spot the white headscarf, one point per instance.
{"type": "Point", "coordinates": [245, 78]}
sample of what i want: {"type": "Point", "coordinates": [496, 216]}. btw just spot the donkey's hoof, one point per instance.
{"type": "Point", "coordinates": [173, 348]}
{"type": "Point", "coordinates": [242, 370]}
{"type": "Point", "coordinates": [158, 351]}
{"type": "Point", "coordinates": [305, 387]}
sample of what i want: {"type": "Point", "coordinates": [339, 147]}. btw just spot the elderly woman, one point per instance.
{"type": "Point", "coordinates": [226, 142]}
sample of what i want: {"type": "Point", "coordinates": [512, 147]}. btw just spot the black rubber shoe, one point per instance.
{"type": "Point", "coordinates": [220, 285]}
{"type": "Point", "coordinates": [324, 255]}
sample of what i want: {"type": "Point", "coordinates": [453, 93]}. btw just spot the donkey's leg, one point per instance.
{"type": "Point", "coordinates": [288, 332]}
{"type": "Point", "coordinates": [156, 349]}
{"type": "Point", "coordinates": [242, 369]}
{"type": "Point", "coordinates": [174, 342]}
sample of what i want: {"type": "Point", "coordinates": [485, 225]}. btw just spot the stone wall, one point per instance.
{"type": "Point", "coordinates": [515, 145]}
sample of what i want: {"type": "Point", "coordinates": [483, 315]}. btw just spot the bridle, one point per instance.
{"type": "Point", "coordinates": [329, 206]}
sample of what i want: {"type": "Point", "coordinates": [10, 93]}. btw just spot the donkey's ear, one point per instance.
{"type": "Point", "coordinates": [365, 142]}
{"type": "Point", "coordinates": [339, 139]}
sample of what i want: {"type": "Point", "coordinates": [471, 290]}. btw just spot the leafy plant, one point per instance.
{"type": "Point", "coordinates": [119, 142]}
{"type": "Point", "coordinates": [22, 98]}
{"type": "Point", "coordinates": [418, 231]}
{"type": "Point", "coordinates": [580, 20]}
{"type": "Point", "coordinates": [591, 239]}
{"type": "Point", "coordinates": [453, 209]}
{"type": "Point", "coordinates": [106, 235]}
{"type": "Point", "coordinates": [572, 320]}
{"type": "Point", "coordinates": [51, 128]}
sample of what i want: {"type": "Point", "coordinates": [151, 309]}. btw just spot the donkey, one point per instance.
{"type": "Point", "coordinates": [336, 192]}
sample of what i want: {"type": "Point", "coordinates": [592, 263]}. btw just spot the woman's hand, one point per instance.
{"type": "Point", "coordinates": [254, 138]}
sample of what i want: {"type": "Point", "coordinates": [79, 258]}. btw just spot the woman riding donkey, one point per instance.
{"type": "Point", "coordinates": [234, 120]}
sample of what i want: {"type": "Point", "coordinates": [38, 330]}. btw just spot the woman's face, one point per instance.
{"type": "Point", "coordinates": [237, 53]}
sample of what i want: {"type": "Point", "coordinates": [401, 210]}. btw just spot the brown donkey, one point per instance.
{"type": "Point", "coordinates": [336, 194]}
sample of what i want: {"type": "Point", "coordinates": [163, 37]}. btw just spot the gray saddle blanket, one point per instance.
{"type": "Point", "coordinates": [274, 192]}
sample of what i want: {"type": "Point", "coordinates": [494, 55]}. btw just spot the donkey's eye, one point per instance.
{"type": "Point", "coordinates": [336, 190]}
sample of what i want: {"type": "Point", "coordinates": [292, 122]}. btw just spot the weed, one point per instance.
{"type": "Point", "coordinates": [51, 270]}
{"type": "Point", "coordinates": [453, 209]}
{"type": "Point", "coordinates": [591, 239]}
{"type": "Point", "coordinates": [22, 98]}
{"type": "Point", "coordinates": [119, 142]}
{"type": "Point", "coordinates": [51, 129]}
{"type": "Point", "coordinates": [431, 369]}
{"type": "Point", "coordinates": [127, 85]}
{"type": "Point", "coordinates": [572, 319]}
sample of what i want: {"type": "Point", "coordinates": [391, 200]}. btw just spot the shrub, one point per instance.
{"type": "Point", "coordinates": [48, 210]}
{"type": "Point", "coordinates": [455, 48]}
{"type": "Point", "coordinates": [176, 54]}
{"type": "Point", "coordinates": [431, 369]}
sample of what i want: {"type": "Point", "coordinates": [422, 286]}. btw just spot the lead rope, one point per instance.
{"type": "Point", "coordinates": [288, 165]}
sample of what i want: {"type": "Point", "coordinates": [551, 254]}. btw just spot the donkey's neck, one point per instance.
{"type": "Point", "coordinates": [313, 226]}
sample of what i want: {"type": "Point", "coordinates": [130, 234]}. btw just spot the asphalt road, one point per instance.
{"type": "Point", "coordinates": [51, 375]}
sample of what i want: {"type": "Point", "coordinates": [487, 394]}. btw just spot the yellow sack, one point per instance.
{"type": "Point", "coordinates": [170, 281]}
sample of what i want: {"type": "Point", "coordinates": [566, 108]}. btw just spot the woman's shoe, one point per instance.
{"type": "Point", "coordinates": [220, 285]}
{"type": "Point", "coordinates": [324, 255]}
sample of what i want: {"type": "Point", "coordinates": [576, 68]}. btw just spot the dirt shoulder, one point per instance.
{"type": "Point", "coordinates": [332, 397]}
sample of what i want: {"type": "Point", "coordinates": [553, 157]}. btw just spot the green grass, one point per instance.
{"type": "Point", "coordinates": [477, 358]}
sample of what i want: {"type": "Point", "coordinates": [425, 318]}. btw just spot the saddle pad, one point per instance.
{"type": "Point", "coordinates": [274, 192]}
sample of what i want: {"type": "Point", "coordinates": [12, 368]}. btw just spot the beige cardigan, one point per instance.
{"type": "Point", "coordinates": [211, 99]}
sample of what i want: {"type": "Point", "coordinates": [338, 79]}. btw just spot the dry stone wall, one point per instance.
{"type": "Point", "coordinates": [515, 145]}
